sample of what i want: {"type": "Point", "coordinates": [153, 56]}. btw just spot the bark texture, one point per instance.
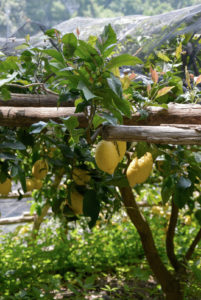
{"type": "Point", "coordinates": [169, 283]}
{"type": "Point", "coordinates": [25, 116]}
{"type": "Point", "coordinates": [180, 135]}
{"type": "Point", "coordinates": [34, 100]}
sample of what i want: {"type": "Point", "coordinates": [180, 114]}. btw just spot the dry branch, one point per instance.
{"type": "Point", "coordinates": [154, 134]}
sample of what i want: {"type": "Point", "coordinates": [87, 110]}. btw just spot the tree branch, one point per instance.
{"type": "Point", "coordinates": [164, 277]}
{"type": "Point", "coordinates": [193, 245]}
{"type": "Point", "coordinates": [170, 237]}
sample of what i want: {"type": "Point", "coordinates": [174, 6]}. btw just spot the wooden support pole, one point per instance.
{"type": "Point", "coordinates": [13, 116]}
{"type": "Point", "coordinates": [183, 135]}
{"type": "Point", "coordinates": [175, 114]}
{"type": "Point", "coordinates": [25, 116]}
{"type": "Point", "coordinates": [35, 100]}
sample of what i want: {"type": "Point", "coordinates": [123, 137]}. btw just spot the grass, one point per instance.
{"type": "Point", "coordinates": [107, 261]}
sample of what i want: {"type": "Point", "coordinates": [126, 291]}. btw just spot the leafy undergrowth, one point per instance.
{"type": "Point", "coordinates": [107, 263]}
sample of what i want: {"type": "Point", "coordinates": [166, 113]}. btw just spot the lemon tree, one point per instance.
{"type": "Point", "coordinates": [71, 170]}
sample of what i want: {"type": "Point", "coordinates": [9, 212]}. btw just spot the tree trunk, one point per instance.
{"type": "Point", "coordinates": [169, 282]}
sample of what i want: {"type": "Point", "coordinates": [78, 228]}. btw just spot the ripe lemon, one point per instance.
{"type": "Point", "coordinates": [30, 185]}
{"type": "Point", "coordinates": [40, 169]}
{"type": "Point", "coordinates": [139, 169]}
{"type": "Point", "coordinates": [76, 202]}
{"type": "Point", "coordinates": [5, 187]}
{"type": "Point", "coordinates": [33, 184]}
{"type": "Point", "coordinates": [109, 154]}
{"type": "Point", "coordinates": [81, 177]}
{"type": "Point", "coordinates": [37, 184]}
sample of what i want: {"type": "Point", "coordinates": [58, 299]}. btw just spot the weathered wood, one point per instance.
{"type": "Point", "coordinates": [175, 114]}
{"type": "Point", "coordinates": [154, 134]}
{"type": "Point", "coordinates": [25, 116]}
{"type": "Point", "coordinates": [35, 100]}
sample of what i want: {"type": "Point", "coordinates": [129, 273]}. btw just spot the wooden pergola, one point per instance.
{"type": "Point", "coordinates": [179, 124]}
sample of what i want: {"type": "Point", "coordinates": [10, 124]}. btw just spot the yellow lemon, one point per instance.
{"type": "Point", "coordinates": [37, 184]}
{"type": "Point", "coordinates": [76, 202]}
{"type": "Point", "coordinates": [30, 185]}
{"type": "Point", "coordinates": [5, 187]}
{"type": "Point", "coordinates": [139, 169]}
{"type": "Point", "coordinates": [81, 177]}
{"type": "Point", "coordinates": [40, 169]}
{"type": "Point", "coordinates": [109, 154]}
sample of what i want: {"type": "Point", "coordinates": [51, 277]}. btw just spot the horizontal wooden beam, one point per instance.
{"type": "Point", "coordinates": [35, 100]}
{"type": "Point", "coordinates": [188, 135]}
{"type": "Point", "coordinates": [175, 114]}
{"type": "Point", "coordinates": [13, 116]}
{"type": "Point", "coordinates": [25, 116]}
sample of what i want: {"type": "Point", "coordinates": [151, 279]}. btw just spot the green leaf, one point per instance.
{"type": "Point", "coordinates": [70, 122]}
{"type": "Point", "coordinates": [162, 56]}
{"type": "Point", "coordinates": [198, 216]}
{"type": "Point", "coordinates": [91, 206]}
{"type": "Point", "coordinates": [87, 93]}
{"type": "Point", "coordinates": [167, 189]}
{"type": "Point", "coordinates": [8, 79]}
{"type": "Point", "coordinates": [13, 146]}
{"type": "Point", "coordinates": [55, 54]}
{"type": "Point", "coordinates": [107, 40]}
{"type": "Point", "coordinates": [183, 183]}
{"type": "Point", "coordinates": [88, 53]}
{"type": "Point", "coordinates": [110, 119]}
{"type": "Point", "coordinates": [123, 105]}
{"type": "Point", "coordinates": [37, 127]}
{"type": "Point", "coordinates": [76, 134]}
{"type": "Point", "coordinates": [6, 95]}
{"type": "Point", "coordinates": [52, 32]}
{"type": "Point", "coordinates": [115, 85]}
{"type": "Point", "coordinates": [97, 120]}
{"type": "Point", "coordinates": [8, 156]}
{"type": "Point", "coordinates": [123, 60]}
{"type": "Point", "coordinates": [70, 44]}
{"type": "Point", "coordinates": [22, 178]}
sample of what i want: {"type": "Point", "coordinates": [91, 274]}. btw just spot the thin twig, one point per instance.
{"type": "Point", "coordinates": [32, 85]}
{"type": "Point", "coordinates": [193, 245]}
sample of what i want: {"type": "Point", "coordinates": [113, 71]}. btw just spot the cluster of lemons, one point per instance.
{"type": "Point", "coordinates": [39, 171]}
{"type": "Point", "coordinates": [109, 154]}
